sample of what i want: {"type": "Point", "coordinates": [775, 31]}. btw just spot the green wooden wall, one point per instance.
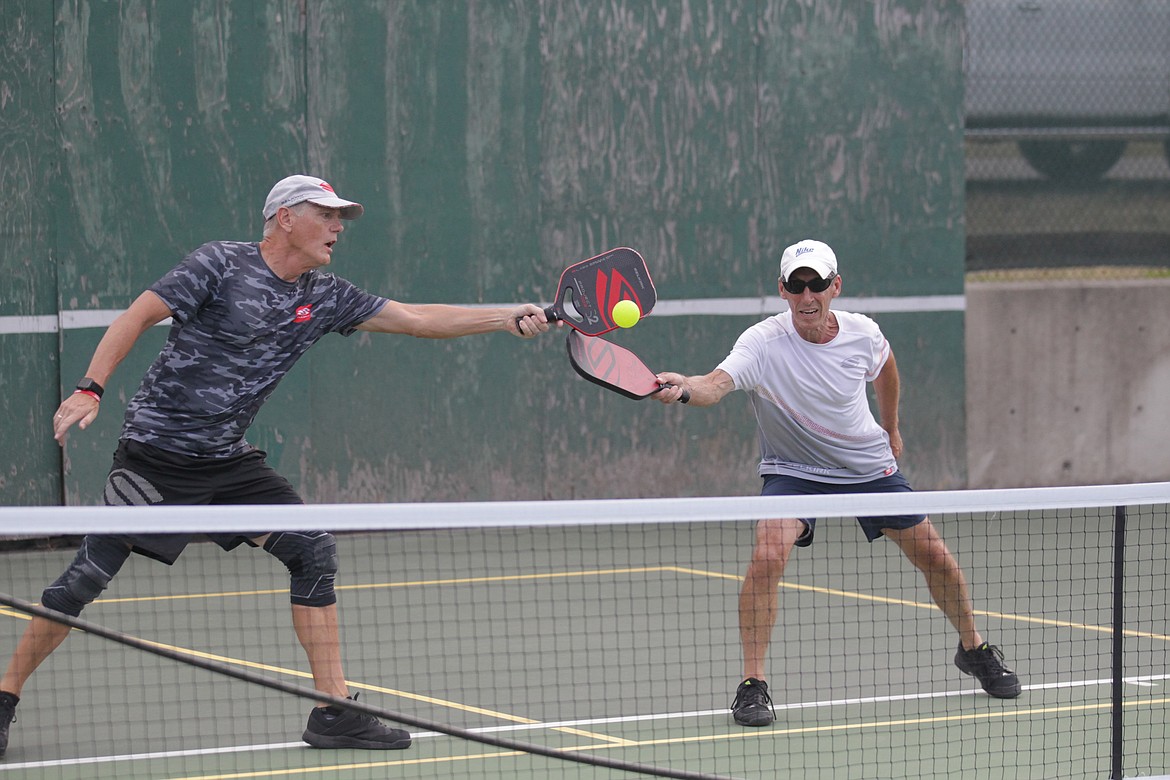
{"type": "Point", "coordinates": [30, 168]}
{"type": "Point", "coordinates": [491, 143]}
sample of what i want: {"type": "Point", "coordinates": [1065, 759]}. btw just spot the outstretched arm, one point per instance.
{"type": "Point", "coordinates": [705, 390]}
{"type": "Point", "coordinates": [439, 321]}
{"type": "Point", "coordinates": [887, 387]}
{"type": "Point", "coordinates": [147, 311]}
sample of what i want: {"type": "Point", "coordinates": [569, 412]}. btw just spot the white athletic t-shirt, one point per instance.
{"type": "Point", "coordinates": [810, 399]}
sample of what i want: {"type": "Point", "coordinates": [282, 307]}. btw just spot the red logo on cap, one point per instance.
{"type": "Point", "coordinates": [325, 186]}
{"type": "Point", "coordinates": [304, 314]}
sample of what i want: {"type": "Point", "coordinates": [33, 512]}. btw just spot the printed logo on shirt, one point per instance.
{"type": "Point", "coordinates": [888, 471]}
{"type": "Point", "coordinates": [853, 361]}
{"type": "Point", "coordinates": [304, 314]}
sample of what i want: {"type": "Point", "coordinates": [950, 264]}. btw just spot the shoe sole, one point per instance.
{"type": "Point", "coordinates": [329, 743]}
{"type": "Point", "coordinates": [1010, 693]}
{"type": "Point", "coordinates": [762, 719]}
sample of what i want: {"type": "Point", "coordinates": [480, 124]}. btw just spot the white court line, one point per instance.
{"type": "Point", "coordinates": [1143, 681]}
{"type": "Point", "coordinates": [149, 756]}
{"type": "Point", "coordinates": [67, 320]}
{"type": "Point", "coordinates": [690, 307]}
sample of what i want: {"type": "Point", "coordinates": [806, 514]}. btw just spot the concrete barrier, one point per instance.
{"type": "Point", "coordinates": [1068, 382]}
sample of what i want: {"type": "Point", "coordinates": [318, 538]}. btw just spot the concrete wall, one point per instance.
{"type": "Point", "coordinates": [1068, 382]}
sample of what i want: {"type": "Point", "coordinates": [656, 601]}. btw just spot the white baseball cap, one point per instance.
{"type": "Point", "coordinates": [814, 255]}
{"type": "Point", "coordinates": [296, 189]}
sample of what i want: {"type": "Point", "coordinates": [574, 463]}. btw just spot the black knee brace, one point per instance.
{"type": "Point", "coordinates": [98, 559]}
{"type": "Point", "coordinates": [311, 558]}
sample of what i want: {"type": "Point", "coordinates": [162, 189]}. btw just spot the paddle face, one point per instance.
{"type": "Point", "coordinates": [615, 368]}
{"type": "Point", "coordinates": [589, 289]}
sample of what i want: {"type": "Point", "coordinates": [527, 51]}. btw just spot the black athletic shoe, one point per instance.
{"type": "Point", "coordinates": [8, 702]}
{"type": "Point", "coordinates": [351, 729]}
{"type": "Point", "coordinates": [753, 705]}
{"type": "Point", "coordinates": [986, 664]}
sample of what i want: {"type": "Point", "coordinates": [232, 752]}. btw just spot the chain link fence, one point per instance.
{"type": "Point", "coordinates": [1068, 139]}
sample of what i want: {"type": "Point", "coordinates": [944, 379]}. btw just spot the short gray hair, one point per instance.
{"type": "Point", "coordinates": [270, 223]}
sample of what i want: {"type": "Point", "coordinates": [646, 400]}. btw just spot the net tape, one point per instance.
{"type": "Point", "coordinates": [487, 514]}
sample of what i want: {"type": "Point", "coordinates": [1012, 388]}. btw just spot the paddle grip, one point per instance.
{"type": "Point", "coordinates": [550, 312]}
{"type": "Point", "coordinates": [682, 399]}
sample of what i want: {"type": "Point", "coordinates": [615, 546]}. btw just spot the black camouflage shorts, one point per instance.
{"type": "Point", "coordinates": [144, 475]}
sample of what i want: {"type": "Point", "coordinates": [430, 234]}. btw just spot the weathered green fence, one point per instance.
{"type": "Point", "coordinates": [491, 143]}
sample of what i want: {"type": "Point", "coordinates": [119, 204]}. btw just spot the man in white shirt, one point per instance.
{"type": "Point", "coordinates": [805, 371]}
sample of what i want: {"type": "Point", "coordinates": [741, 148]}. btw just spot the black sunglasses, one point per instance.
{"type": "Point", "coordinates": [796, 286]}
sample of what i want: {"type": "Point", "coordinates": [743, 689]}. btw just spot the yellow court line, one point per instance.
{"type": "Point", "coordinates": [753, 734]}
{"type": "Point", "coordinates": [881, 724]}
{"type": "Point", "coordinates": [704, 573]}
{"type": "Point", "coordinates": [360, 686]}
{"type": "Point", "coordinates": [468, 708]}
{"type": "Point", "coordinates": [645, 570]}
{"type": "Point", "coordinates": [406, 584]}
{"type": "Point", "coordinates": [350, 767]}
{"type": "Point", "coordinates": [642, 570]}
{"type": "Point", "coordinates": [509, 578]}
{"type": "Point", "coordinates": [194, 596]}
{"type": "Point", "coordinates": [444, 703]}
{"type": "Point", "coordinates": [227, 659]}
{"type": "Point", "coordinates": [594, 735]}
{"type": "Point", "coordinates": [923, 605]}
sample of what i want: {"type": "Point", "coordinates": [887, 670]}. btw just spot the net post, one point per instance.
{"type": "Point", "coordinates": [1116, 735]}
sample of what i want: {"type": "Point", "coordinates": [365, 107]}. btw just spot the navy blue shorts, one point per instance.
{"type": "Point", "coordinates": [785, 485]}
{"type": "Point", "coordinates": [144, 475]}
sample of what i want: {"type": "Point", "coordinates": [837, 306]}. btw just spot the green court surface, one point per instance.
{"type": "Point", "coordinates": [616, 641]}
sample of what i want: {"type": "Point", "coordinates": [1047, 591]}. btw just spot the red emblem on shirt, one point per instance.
{"type": "Point", "coordinates": [304, 314]}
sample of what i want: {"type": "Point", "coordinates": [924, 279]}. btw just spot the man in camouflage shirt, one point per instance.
{"type": "Point", "coordinates": [242, 315]}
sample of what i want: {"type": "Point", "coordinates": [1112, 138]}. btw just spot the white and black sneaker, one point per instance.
{"type": "Point", "coordinates": [985, 663]}
{"type": "Point", "coordinates": [334, 727]}
{"type": "Point", "coordinates": [753, 705]}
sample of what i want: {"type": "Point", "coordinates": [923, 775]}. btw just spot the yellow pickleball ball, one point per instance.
{"type": "Point", "coordinates": [626, 314]}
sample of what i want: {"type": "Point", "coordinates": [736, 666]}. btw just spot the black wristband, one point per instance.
{"type": "Point", "coordinates": [90, 386]}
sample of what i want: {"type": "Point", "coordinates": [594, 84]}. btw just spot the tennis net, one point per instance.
{"type": "Point", "coordinates": [601, 639]}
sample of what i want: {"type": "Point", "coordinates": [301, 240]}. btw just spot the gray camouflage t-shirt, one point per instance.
{"type": "Point", "coordinates": [237, 330]}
